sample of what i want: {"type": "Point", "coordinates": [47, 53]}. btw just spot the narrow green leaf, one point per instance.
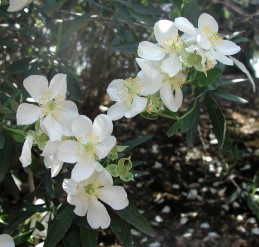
{"type": "Point", "coordinates": [192, 131]}
{"type": "Point", "coordinates": [188, 117]}
{"type": "Point", "coordinates": [253, 205]}
{"type": "Point", "coordinates": [5, 157]}
{"type": "Point", "coordinates": [89, 237]}
{"type": "Point", "coordinates": [202, 80]}
{"type": "Point", "coordinates": [121, 229]}
{"type": "Point", "coordinates": [59, 226]}
{"type": "Point", "coordinates": [23, 237]}
{"type": "Point", "coordinates": [174, 128]}
{"type": "Point", "coordinates": [231, 82]}
{"type": "Point", "coordinates": [126, 47]}
{"type": "Point", "coordinates": [136, 142]}
{"type": "Point", "coordinates": [217, 119]}
{"type": "Point", "coordinates": [131, 215]}
{"type": "Point", "coordinates": [230, 97]}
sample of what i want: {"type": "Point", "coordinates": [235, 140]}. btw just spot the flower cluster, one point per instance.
{"type": "Point", "coordinates": [181, 50]}
{"type": "Point", "coordinates": [65, 136]}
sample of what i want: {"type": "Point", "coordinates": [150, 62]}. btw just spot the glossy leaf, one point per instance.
{"type": "Point", "coordinates": [192, 131]}
{"type": "Point", "coordinates": [174, 128]}
{"type": "Point", "coordinates": [89, 237]}
{"type": "Point", "coordinates": [230, 97]}
{"type": "Point", "coordinates": [202, 80]}
{"type": "Point", "coordinates": [136, 142]}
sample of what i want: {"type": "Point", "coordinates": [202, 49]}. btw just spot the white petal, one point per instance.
{"type": "Point", "coordinates": [97, 215]}
{"type": "Point", "coordinates": [222, 58]}
{"type": "Point", "coordinates": [36, 85]}
{"type": "Point", "coordinates": [67, 151]}
{"type": "Point", "coordinates": [243, 68]}
{"type": "Point", "coordinates": [105, 178]}
{"type": "Point", "coordinates": [115, 196]}
{"type": "Point", "coordinates": [178, 97]}
{"type": "Point", "coordinates": [104, 147]}
{"type": "Point", "coordinates": [65, 120]}
{"type": "Point", "coordinates": [102, 126]}
{"type": "Point", "coordinates": [48, 161]}
{"type": "Point", "coordinates": [203, 41]}
{"type": "Point", "coordinates": [16, 5]}
{"type": "Point", "coordinates": [52, 127]}
{"type": "Point", "coordinates": [6, 241]}
{"type": "Point", "coordinates": [171, 65]}
{"type": "Point", "coordinates": [25, 157]}
{"type": "Point", "coordinates": [70, 187]}
{"type": "Point", "coordinates": [206, 20]}
{"type": "Point", "coordinates": [185, 26]}
{"type": "Point", "coordinates": [70, 108]}
{"type": "Point", "coordinates": [168, 98]}
{"type": "Point", "coordinates": [228, 48]}
{"type": "Point", "coordinates": [58, 85]}
{"type": "Point", "coordinates": [113, 89]}
{"type": "Point", "coordinates": [27, 113]}
{"type": "Point", "coordinates": [50, 148]}
{"type": "Point", "coordinates": [164, 29]}
{"type": "Point", "coordinates": [81, 208]}
{"type": "Point", "coordinates": [81, 125]}
{"type": "Point", "coordinates": [56, 166]}
{"type": "Point", "coordinates": [139, 104]}
{"type": "Point", "coordinates": [150, 51]}
{"type": "Point", "coordinates": [117, 111]}
{"type": "Point", "coordinates": [83, 169]}
{"type": "Point", "coordinates": [150, 84]}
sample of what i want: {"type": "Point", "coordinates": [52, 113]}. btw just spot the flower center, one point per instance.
{"type": "Point", "coordinates": [129, 89]}
{"type": "Point", "coordinates": [212, 36]}
{"type": "Point", "coordinates": [90, 189]}
{"type": "Point", "coordinates": [172, 45]}
{"type": "Point", "coordinates": [88, 142]}
{"type": "Point", "coordinates": [176, 81]}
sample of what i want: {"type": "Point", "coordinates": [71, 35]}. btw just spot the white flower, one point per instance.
{"type": "Point", "coordinates": [25, 157]}
{"type": "Point", "coordinates": [51, 159]}
{"type": "Point", "coordinates": [171, 92]}
{"type": "Point", "coordinates": [43, 218]}
{"type": "Point", "coordinates": [86, 194]}
{"type": "Point", "coordinates": [55, 113]}
{"type": "Point", "coordinates": [6, 241]}
{"type": "Point", "coordinates": [206, 36]}
{"type": "Point", "coordinates": [168, 49]}
{"type": "Point", "coordinates": [94, 142]}
{"type": "Point", "coordinates": [129, 93]}
{"type": "Point", "coordinates": [16, 5]}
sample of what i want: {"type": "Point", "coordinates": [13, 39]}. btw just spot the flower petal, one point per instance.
{"type": "Point", "coordinates": [168, 98]}
{"type": "Point", "coordinates": [105, 178]}
{"type": "Point", "coordinates": [25, 157]}
{"type": "Point", "coordinates": [81, 208]}
{"type": "Point", "coordinates": [102, 126]}
{"type": "Point", "coordinates": [36, 85]}
{"type": "Point", "coordinates": [178, 97]}
{"type": "Point", "coordinates": [58, 85]}
{"type": "Point", "coordinates": [113, 89]}
{"type": "Point", "coordinates": [6, 241]}
{"type": "Point", "coordinates": [56, 166]}
{"type": "Point", "coordinates": [228, 48]}
{"type": "Point", "coordinates": [202, 40]}
{"type": "Point", "coordinates": [222, 58]}
{"type": "Point", "coordinates": [164, 29]}
{"type": "Point", "coordinates": [115, 196]}
{"type": "Point", "coordinates": [104, 147]}
{"type": "Point", "coordinates": [70, 187]}
{"type": "Point", "coordinates": [206, 20]}
{"type": "Point", "coordinates": [185, 26]}
{"type": "Point", "coordinates": [150, 51]}
{"type": "Point", "coordinates": [70, 108]}
{"type": "Point", "coordinates": [81, 125]}
{"type": "Point", "coordinates": [50, 148]}
{"type": "Point", "coordinates": [117, 111]}
{"type": "Point", "coordinates": [139, 104]}
{"type": "Point", "coordinates": [83, 169]}
{"type": "Point", "coordinates": [27, 114]}
{"type": "Point", "coordinates": [67, 151]}
{"type": "Point", "coordinates": [65, 120]}
{"type": "Point", "coordinates": [16, 5]}
{"type": "Point", "coordinates": [171, 65]}
{"type": "Point", "coordinates": [243, 68]}
{"type": "Point", "coordinates": [97, 215]}
{"type": "Point", "coordinates": [52, 127]}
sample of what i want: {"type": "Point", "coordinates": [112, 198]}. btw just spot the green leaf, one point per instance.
{"type": "Point", "coordinates": [149, 116]}
{"type": "Point", "coordinates": [59, 226]}
{"type": "Point", "coordinates": [131, 215]}
{"type": "Point", "coordinates": [190, 10]}
{"type": "Point", "coordinates": [126, 47]}
{"type": "Point", "coordinates": [89, 237]}
{"type": "Point", "coordinates": [188, 117]}
{"type": "Point", "coordinates": [253, 205]}
{"type": "Point", "coordinates": [217, 119]}
{"type": "Point", "coordinates": [201, 80]}
{"type": "Point", "coordinates": [136, 142]}
{"type": "Point", "coordinates": [192, 131]}
{"type": "Point", "coordinates": [231, 82]}
{"type": "Point", "coordinates": [230, 97]}
{"type": "Point", "coordinates": [23, 237]}
{"type": "Point", "coordinates": [121, 229]}
{"type": "Point", "coordinates": [174, 128]}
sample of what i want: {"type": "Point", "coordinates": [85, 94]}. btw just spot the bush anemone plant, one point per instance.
{"type": "Point", "coordinates": [184, 60]}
